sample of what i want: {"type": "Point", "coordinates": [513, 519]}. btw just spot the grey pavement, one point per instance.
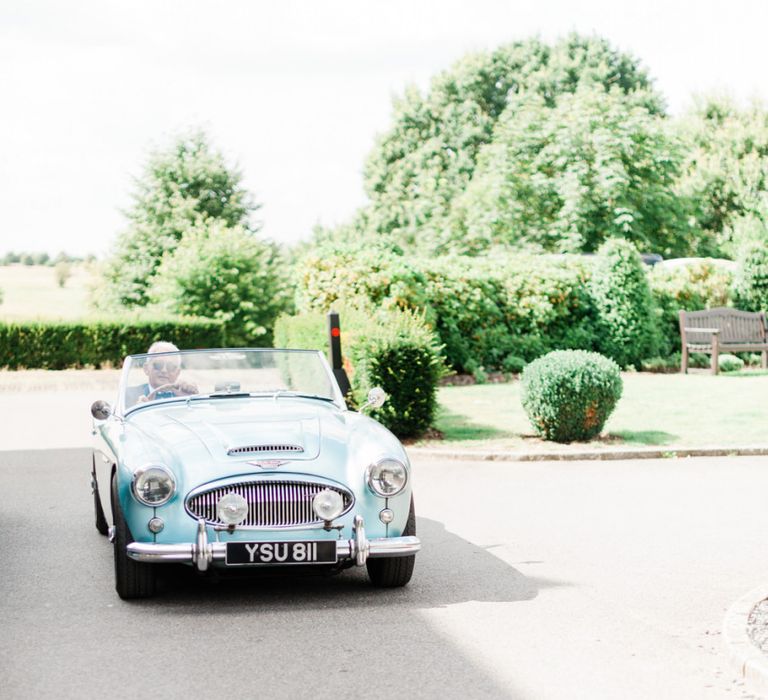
{"type": "Point", "coordinates": [537, 580]}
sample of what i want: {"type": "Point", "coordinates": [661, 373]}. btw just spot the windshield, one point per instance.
{"type": "Point", "coordinates": [219, 374]}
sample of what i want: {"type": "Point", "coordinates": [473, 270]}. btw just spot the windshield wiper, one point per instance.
{"type": "Point", "coordinates": [295, 394]}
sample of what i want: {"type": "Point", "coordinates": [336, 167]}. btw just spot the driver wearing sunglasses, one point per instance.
{"type": "Point", "coordinates": [162, 377]}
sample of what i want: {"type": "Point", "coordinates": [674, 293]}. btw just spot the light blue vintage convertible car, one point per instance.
{"type": "Point", "coordinates": [247, 458]}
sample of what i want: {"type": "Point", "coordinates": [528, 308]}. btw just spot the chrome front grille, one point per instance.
{"type": "Point", "coordinates": [270, 503]}
{"type": "Point", "coordinates": [250, 449]}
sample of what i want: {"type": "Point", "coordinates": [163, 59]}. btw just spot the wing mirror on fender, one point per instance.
{"type": "Point", "coordinates": [376, 398]}
{"type": "Point", "coordinates": [101, 410]}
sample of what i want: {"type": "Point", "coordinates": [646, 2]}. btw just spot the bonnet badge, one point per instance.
{"type": "Point", "coordinates": [269, 463]}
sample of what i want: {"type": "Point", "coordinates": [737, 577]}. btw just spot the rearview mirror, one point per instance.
{"type": "Point", "coordinates": [101, 410]}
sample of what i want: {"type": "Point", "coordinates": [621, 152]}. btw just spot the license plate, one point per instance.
{"type": "Point", "coordinates": [280, 553]}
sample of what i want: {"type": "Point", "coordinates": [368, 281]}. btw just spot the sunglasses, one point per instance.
{"type": "Point", "coordinates": [169, 365]}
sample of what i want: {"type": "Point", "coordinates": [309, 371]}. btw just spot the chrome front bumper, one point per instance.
{"type": "Point", "coordinates": [202, 552]}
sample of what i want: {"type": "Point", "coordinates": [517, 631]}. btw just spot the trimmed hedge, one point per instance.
{"type": "Point", "coordinates": [71, 344]}
{"type": "Point", "coordinates": [569, 394]}
{"type": "Point", "coordinates": [504, 310]}
{"type": "Point", "coordinates": [488, 313]}
{"type": "Point", "coordinates": [391, 349]}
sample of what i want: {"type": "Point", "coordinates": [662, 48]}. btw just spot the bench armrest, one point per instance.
{"type": "Point", "coordinates": [713, 331]}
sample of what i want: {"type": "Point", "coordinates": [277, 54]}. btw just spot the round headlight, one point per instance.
{"type": "Point", "coordinates": [232, 509]}
{"type": "Point", "coordinates": [153, 485]}
{"type": "Point", "coordinates": [328, 504]}
{"type": "Point", "coordinates": [387, 477]}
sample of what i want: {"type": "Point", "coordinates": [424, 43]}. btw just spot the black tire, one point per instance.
{"type": "Point", "coordinates": [101, 521]}
{"type": "Point", "coordinates": [394, 572]}
{"type": "Point", "coordinates": [132, 578]}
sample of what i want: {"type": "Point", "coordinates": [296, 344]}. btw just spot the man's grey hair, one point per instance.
{"type": "Point", "coordinates": [162, 346]}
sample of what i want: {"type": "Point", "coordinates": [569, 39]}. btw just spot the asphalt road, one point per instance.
{"type": "Point", "coordinates": [537, 580]}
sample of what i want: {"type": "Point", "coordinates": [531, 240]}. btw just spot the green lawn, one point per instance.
{"type": "Point", "coordinates": [693, 410]}
{"type": "Point", "coordinates": [31, 292]}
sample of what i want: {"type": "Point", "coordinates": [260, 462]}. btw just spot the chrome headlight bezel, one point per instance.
{"type": "Point", "coordinates": [373, 477]}
{"type": "Point", "coordinates": [143, 472]}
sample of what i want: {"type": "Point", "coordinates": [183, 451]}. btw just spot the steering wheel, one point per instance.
{"type": "Point", "coordinates": [152, 395]}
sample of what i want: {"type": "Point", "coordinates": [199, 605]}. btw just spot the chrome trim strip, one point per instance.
{"type": "Point", "coordinates": [202, 553]}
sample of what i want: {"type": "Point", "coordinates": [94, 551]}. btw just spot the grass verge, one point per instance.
{"type": "Point", "coordinates": [694, 410]}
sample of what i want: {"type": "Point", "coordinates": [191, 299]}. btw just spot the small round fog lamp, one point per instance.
{"type": "Point", "coordinates": [328, 504]}
{"type": "Point", "coordinates": [386, 516]}
{"type": "Point", "coordinates": [156, 525]}
{"type": "Point", "coordinates": [232, 509]}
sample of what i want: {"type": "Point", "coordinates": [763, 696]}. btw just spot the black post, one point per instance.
{"type": "Point", "coordinates": [334, 352]}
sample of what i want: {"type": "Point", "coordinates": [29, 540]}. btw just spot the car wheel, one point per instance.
{"type": "Point", "coordinates": [132, 578]}
{"type": "Point", "coordinates": [393, 572]}
{"type": "Point", "coordinates": [101, 521]}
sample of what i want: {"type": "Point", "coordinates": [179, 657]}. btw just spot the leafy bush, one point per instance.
{"type": "Point", "coordinates": [569, 394]}
{"type": "Point", "coordinates": [621, 293]}
{"type": "Point", "coordinates": [665, 364]}
{"type": "Point", "coordinates": [750, 284]}
{"type": "Point", "coordinates": [703, 284]}
{"type": "Point", "coordinates": [513, 364]}
{"type": "Point", "coordinates": [482, 309]}
{"type": "Point", "coordinates": [730, 363]}
{"type": "Point", "coordinates": [391, 349]}
{"type": "Point", "coordinates": [227, 274]}
{"type": "Point", "coordinates": [58, 345]}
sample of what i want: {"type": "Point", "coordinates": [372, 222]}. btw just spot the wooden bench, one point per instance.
{"type": "Point", "coordinates": [722, 330]}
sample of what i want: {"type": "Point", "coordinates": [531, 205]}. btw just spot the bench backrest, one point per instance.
{"type": "Point", "coordinates": [735, 326]}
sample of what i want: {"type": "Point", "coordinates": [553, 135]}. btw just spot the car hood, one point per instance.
{"type": "Point", "coordinates": [205, 440]}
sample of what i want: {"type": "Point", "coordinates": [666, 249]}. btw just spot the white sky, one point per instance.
{"type": "Point", "coordinates": [291, 91]}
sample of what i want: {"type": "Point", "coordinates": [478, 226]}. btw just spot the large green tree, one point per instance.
{"type": "Point", "coordinates": [597, 165]}
{"type": "Point", "coordinates": [725, 173]}
{"type": "Point", "coordinates": [429, 154]}
{"type": "Point", "coordinates": [186, 185]}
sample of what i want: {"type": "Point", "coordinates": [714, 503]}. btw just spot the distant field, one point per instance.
{"type": "Point", "coordinates": [31, 291]}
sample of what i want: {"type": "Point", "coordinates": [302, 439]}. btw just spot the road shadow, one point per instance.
{"type": "Point", "coordinates": [67, 634]}
{"type": "Point", "coordinates": [449, 570]}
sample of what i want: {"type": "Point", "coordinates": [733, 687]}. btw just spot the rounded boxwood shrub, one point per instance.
{"type": "Point", "coordinates": [569, 394]}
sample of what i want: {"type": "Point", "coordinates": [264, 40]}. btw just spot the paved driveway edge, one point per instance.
{"type": "Point", "coordinates": [636, 453]}
{"type": "Point", "coordinates": [751, 664]}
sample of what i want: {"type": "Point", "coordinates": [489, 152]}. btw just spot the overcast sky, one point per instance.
{"type": "Point", "coordinates": [292, 92]}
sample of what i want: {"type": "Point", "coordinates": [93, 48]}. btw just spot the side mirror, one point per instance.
{"type": "Point", "coordinates": [376, 398]}
{"type": "Point", "coordinates": [101, 410]}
